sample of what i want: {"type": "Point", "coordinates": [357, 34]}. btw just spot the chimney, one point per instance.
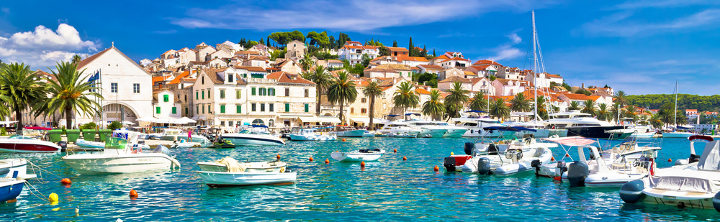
{"type": "Point", "coordinates": [582, 85]}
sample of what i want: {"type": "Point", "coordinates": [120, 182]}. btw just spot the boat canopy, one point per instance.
{"type": "Point", "coordinates": [700, 137]}
{"type": "Point", "coordinates": [476, 111]}
{"type": "Point", "coordinates": [509, 128]}
{"type": "Point", "coordinates": [37, 128]}
{"type": "Point", "coordinates": [710, 159]}
{"type": "Point", "coordinates": [572, 141]}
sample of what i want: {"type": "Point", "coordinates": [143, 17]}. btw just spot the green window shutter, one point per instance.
{"type": "Point", "coordinates": [157, 110]}
{"type": "Point", "coordinates": [186, 111]}
{"type": "Point", "coordinates": [196, 95]}
{"type": "Point", "coordinates": [203, 94]}
{"type": "Point", "coordinates": [222, 94]}
{"type": "Point", "coordinates": [209, 109]}
{"type": "Point", "coordinates": [287, 107]}
{"type": "Point", "coordinates": [238, 108]}
{"type": "Point", "coordinates": [252, 91]}
{"type": "Point", "coordinates": [237, 94]}
{"type": "Point", "coordinates": [174, 110]}
{"type": "Point", "coordinates": [166, 98]}
{"type": "Point", "coordinates": [307, 108]}
{"type": "Point", "coordinates": [272, 91]}
{"type": "Point", "coordinates": [197, 109]}
{"type": "Point", "coordinates": [222, 108]}
{"type": "Point", "coordinates": [203, 109]}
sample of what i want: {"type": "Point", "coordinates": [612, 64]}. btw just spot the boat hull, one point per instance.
{"type": "Point", "coordinates": [432, 133]}
{"type": "Point", "coordinates": [455, 133]}
{"type": "Point", "coordinates": [297, 137]}
{"type": "Point", "coordinates": [221, 179]}
{"type": "Point", "coordinates": [683, 135]}
{"type": "Point", "coordinates": [355, 157]}
{"type": "Point", "coordinates": [27, 146]}
{"type": "Point", "coordinates": [592, 131]}
{"type": "Point", "coordinates": [352, 133]}
{"type": "Point", "coordinates": [124, 163]}
{"type": "Point", "coordinates": [10, 190]}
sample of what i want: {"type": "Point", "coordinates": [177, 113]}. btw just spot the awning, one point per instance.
{"type": "Point", "coordinates": [322, 119]}
{"type": "Point", "coordinates": [572, 141]}
{"type": "Point", "coordinates": [366, 120]}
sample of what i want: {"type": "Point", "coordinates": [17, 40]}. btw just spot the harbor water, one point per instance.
{"type": "Point", "coordinates": [389, 189]}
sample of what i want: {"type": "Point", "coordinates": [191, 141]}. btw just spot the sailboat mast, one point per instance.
{"type": "Point", "coordinates": [675, 113]}
{"type": "Point", "coordinates": [535, 65]}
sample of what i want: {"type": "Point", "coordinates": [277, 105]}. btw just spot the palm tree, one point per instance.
{"type": "Point", "coordinates": [372, 90]}
{"type": "Point", "coordinates": [589, 107]}
{"type": "Point", "coordinates": [479, 102]}
{"type": "Point", "coordinates": [342, 90]}
{"type": "Point", "coordinates": [69, 92]}
{"type": "Point", "coordinates": [574, 105]}
{"type": "Point", "coordinates": [321, 79]}
{"type": "Point", "coordinates": [541, 109]}
{"type": "Point", "coordinates": [519, 103]}
{"type": "Point", "coordinates": [405, 97]}
{"type": "Point", "coordinates": [630, 112]}
{"type": "Point", "coordinates": [434, 107]}
{"type": "Point", "coordinates": [22, 89]}
{"type": "Point", "coordinates": [306, 62]}
{"type": "Point", "coordinates": [603, 113]}
{"type": "Point", "coordinates": [456, 100]}
{"type": "Point", "coordinates": [499, 110]}
{"type": "Point", "coordinates": [620, 98]}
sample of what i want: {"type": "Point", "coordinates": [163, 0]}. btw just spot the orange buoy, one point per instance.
{"type": "Point", "coordinates": [567, 155]}
{"type": "Point", "coordinates": [278, 156]}
{"type": "Point", "coordinates": [344, 140]}
{"type": "Point", "coordinates": [552, 158]}
{"type": "Point", "coordinates": [311, 159]}
{"type": "Point", "coordinates": [65, 181]}
{"type": "Point", "coordinates": [669, 160]}
{"type": "Point", "coordinates": [362, 164]}
{"type": "Point", "coordinates": [558, 178]}
{"type": "Point", "coordinates": [133, 193]}
{"type": "Point", "coordinates": [395, 150]}
{"type": "Point", "coordinates": [436, 168]}
{"type": "Point", "coordinates": [327, 161]}
{"type": "Point", "coordinates": [404, 158]}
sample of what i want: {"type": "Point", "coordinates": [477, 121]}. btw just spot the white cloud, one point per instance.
{"type": "Point", "coordinates": [354, 15]}
{"type": "Point", "coordinates": [664, 3]}
{"type": "Point", "coordinates": [508, 50]}
{"type": "Point", "coordinates": [44, 47]}
{"type": "Point", "coordinates": [515, 38]}
{"type": "Point", "coordinates": [622, 23]}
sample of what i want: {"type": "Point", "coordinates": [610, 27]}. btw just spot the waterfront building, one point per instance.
{"type": "Point", "coordinates": [354, 51]}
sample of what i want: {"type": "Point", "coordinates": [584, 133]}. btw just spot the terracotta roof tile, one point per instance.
{"type": "Point", "coordinates": [456, 79]}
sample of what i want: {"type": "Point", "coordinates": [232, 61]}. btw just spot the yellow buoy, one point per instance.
{"type": "Point", "coordinates": [53, 197]}
{"type": "Point", "coordinates": [452, 153]}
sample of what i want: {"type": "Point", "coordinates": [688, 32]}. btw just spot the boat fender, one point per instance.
{"type": "Point", "coordinates": [282, 169]}
{"type": "Point", "coordinates": [536, 164]}
{"type": "Point", "coordinates": [469, 147]}
{"type": "Point", "coordinates": [449, 163]}
{"type": "Point", "coordinates": [631, 192]}
{"type": "Point", "coordinates": [716, 201]}
{"type": "Point", "coordinates": [484, 166]}
{"type": "Point", "coordinates": [577, 172]}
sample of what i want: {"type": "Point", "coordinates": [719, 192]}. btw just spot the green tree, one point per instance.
{"type": "Point", "coordinates": [342, 38]}
{"type": "Point", "coordinates": [499, 110]}
{"type": "Point", "coordinates": [456, 100]}
{"type": "Point", "coordinates": [574, 105]}
{"type": "Point", "coordinates": [22, 88]}
{"type": "Point", "coordinates": [519, 103]}
{"type": "Point", "coordinates": [322, 80]}
{"type": "Point", "coordinates": [603, 113]}
{"type": "Point", "coordinates": [405, 97]}
{"type": "Point", "coordinates": [342, 90]}
{"type": "Point", "coordinates": [395, 43]}
{"type": "Point", "coordinates": [76, 59]}
{"type": "Point", "coordinates": [115, 125]}
{"type": "Point", "coordinates": [306, 63]}
{"type": "Point", "coordinates": [411, 48]}
{"type": "Point", "coordinates": [479, 102]}
{"type": "Point", "coordinates": [372, 91]}
{"type": "Point", "coordinates": [69, 92]}
{"type": "Point", "coordinates": [365, 60]}
{"type": "Point", "coordinates": [589, 107]}
{"type": "Point", "coordinates": [542, 107]}
{"type": "Point", "coordinates": [656, 121]}
{"type": "Point", "coordinates": [434, 107]}
{"type": "Point", "coordinates": [384, 51]}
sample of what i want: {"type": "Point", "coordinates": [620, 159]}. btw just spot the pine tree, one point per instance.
{"type": "Point", "coordinates": [434, 53]}
{"type": "Point", "coordinates": [411, 48]}
{"type": "Point", "coordinates": [268, 41]}
{"type": "Point", "coordinates": [394, 43]}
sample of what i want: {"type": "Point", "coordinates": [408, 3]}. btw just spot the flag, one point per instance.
{"type": "Point", "coordinates": [94, 77]}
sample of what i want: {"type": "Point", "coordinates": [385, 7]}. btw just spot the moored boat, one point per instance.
{"type": "Point", "coordinates": [10, 188]}
{"type": "Point", "coordinates": [233, 173]}
{"type": "Point", "coordinates": [358, 155]}
{"type": "Point", "coordinates": [311, 134]}
{"type": "Point", "coordinates": [23, 144]}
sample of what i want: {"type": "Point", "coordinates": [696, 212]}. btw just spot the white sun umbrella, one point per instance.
{"type": "Point", "coordinates": [147, 119]}
{"type": "Point", "coordinates": [187, 120]}
{"type": "Point", "coordinates": [128, 123]}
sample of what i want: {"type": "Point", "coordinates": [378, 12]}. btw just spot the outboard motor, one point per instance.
{"type": "Point", "coordinates": [449, 163]}
{"type": "Point", "coordinates": [469, 148]}
{"type": "Point", "coordinates": [484, 166]}
{"type": "Point", "coordinates": [577, 172]}
{"type": "Point", "coordinates": [631, 192]}
{"type": "Point", "coordinates": [536, 164]}
{"type": "Point", "coordinates": [716, 201]}
{"type": "Point", "coordinates": [563, 168]}
{"type": "Point", "coordinates": [693, 158]}
{"type": "Point", "coordinates": [63, 146]}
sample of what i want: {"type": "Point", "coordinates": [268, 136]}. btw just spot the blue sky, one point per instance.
{"type": "Point", "coordinates": [636, 46]}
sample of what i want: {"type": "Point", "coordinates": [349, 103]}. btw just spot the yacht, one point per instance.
{"type": "Point", "coordinates": [24, 144]}
{"type": "Point", "coordinates": [428, 129]}
{"type": "Point", "coordinates": [173, 134]}
{"type": "Point", "coordinates": [398, 128]}
{"type": "Point", "coordinates": [253, 136]}
{"type": "Point", "coordinates": [475, 126]}
{"type": "Point", "coordinates": [311, 134]}
{"type": "Point", "coordinates": [581, 124]}
{"type": "Point", "coordinates": [348, 131]}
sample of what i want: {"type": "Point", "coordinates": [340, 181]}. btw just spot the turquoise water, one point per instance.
{"type": "Point", "coordinates": [390, 189]}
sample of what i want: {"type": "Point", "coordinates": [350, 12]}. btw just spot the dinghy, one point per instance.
{"type": "Point", "coordinates": [229, 172]}
{"type": "Point", "coordinates": [358, 155]}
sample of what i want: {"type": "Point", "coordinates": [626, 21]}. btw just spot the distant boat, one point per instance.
{"type": "Point", "coordinates": [358, 155]}
{"type": "Point", "coordinates": [229, 172]}
{"type": "Point", "coordinates": [24, 144]}
{"type": "Point", "coordinates": [256, 136]}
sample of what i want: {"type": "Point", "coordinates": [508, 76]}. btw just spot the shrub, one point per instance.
{"type": "Point", "coordinates": [115, 125]}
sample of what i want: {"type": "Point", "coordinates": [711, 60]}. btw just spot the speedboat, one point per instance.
{"type": "Point", "coordinates": [311, 134]}
{"type": "Point", "coordinates": [14, 168]}
{"type": "Point", "coordinates": [677, 134]}
{"type": "Point", "coordinates": [507, 156]}
{"type": "Point", "coordinates": [694, 182]}
{"type": "Point", "coordinates": [24, 144]}
{"type": "Point", "coordinates": [620, 134]}
{"type": "Point", "coordinates": [125, 154]}
{"type": "Point", "coordinates": [255, 136]}
{"type": "Point", "coordinates": [10, 188]}
{"type": "Point", "coordinates": [358, 155]}
{"type": "Point", "coordinates": [244, 174]}
{"type": "Point", "coordinates": [398, 128]}
{"type": "Point", "coordinates": [172, 134]}
{"type": "Point", "coordinates": [350, 132]}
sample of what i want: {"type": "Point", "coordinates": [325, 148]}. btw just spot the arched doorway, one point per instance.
{"type": "Point", "coordinates": [258, 122]}
{"type": "Point", "coordinates": [118, 112]}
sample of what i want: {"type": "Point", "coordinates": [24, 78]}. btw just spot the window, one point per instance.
{"type": "Point", "coordinates": [230, 123]}
{"type": "Point", "coordinates": [196, 95]}
{"type": "Point", "coordinates": [352, 110]}
{"type": "Point", "coordinates": [287, 107]}
{"type": "Point", "coordinates": [166, 98]}
{"type": "Point", "coordinates": [197, 109]}
{"type": "Point", "coordinates": [208, 93]}
{"type": "Point", "coordinates": [203, 110]}
{"type": "Point", "coordinates": [271, 107]}
{"type": "Point", "coordinates": [136, 87]}
{"type": "Point", "coordinates": [252, 91]}
{"type": "Point", "coordinates": [202, 80]}
{"type": "Point", "coordinates": [222, 123]}
{"type": "Point", "coordinates": [307, 107]}
{"type": "Point", "coordinates": [363, 110]}
{"type": "Point", "coordinates": [203, 93]}
{"type": "Point", "coordinates": [157, 110]}
{"type": "Point", "coordinates": [363, 100]}
{"type": "Point", "coordinates": [271, 91]}
{"type": "Point", "coordinates": [113, 87]}
{"type": "Point", "coordinates": [222, 94]}
{"type": "Point", "coordinates": [238, 108]}
{"type": "Point", "coordinates": [307, 93]}
{"type": "Point", "coordinates": [237, 94]}
{"type": "Point", "coordinates": [252, 107]}
{"type": "Point", "coordinates": [186, 111]}
{"type": "Point", "coordinates": [222, 108]}
{"type": "Point", "coordinates": [209, 109]}
{"type": "Point", "coordinates": [262, 107]}
{"type": "Point", "coordinates": [230, 78]}
{"type": "Point", "coordinates": [174, 110]}
{"type": "Point", "coordinates": [287, 91]}
{"type": "Point", "coordinates": [263, 92]}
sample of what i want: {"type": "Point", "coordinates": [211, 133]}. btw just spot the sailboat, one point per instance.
{"type": "Point", "coordinates": [677, 131]}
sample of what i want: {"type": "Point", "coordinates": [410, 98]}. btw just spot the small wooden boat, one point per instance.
{"type": "Point", "coordinates": [229, 172]}
{"type": "Point", "coordinates": [359, 155]}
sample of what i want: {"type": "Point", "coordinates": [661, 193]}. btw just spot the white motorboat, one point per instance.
{"type": "Point", "coordinates": [397, 128]}
{"type": "Point", "coordinates": [255, 136]}
{"type": "Point", "coordinates": [311, 134]}
{"type": "Point", "coordinates": [538, 129]}
{"type": "Point", "coordinates": [14, 168]}
{"type": "Point", "coordinates": [693, 183]}
{"type": "Point", "coordinates": [350, 132]}
{"type": "Point", "coordinates": [243, 174]}
{"type": "Point", "coordinates": [428, 129]}
{"type": "Point", "coordinates": [24, 144]}
{"type": "Point", "coordinates": [476, 127]}
{"type": "Point", "coordinates": [580, 124]}
{"type": "Point", "coordinates": [358, 155]}
{"type": "Point", "coordinates": [508, 156]}
{"type": "Point", "coordinates": [172, 134]}
{"type": "Point", "coordinates": [89, 145]}
{"type": "Point", "coordinates": [131, 157]}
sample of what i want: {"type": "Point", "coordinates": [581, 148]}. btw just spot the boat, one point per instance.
{"type": "Point", "coordinates": [580, 124]}
{"type": "Point", "coordinates": [358, 155]}
{"type": "Point", "coordinates": [254, 136]}
{"type": "Point", "coordinates": [693, 183]}
{"type": "Point", "coordinates": [15, 168]}
{"type": "Point", "coordinates": [677, 133]}
{"type": "Point", "coordinates": [24, 144]}
{"type": "Point", "coordinates": [89, 145]}
{"type": "Point", "coordinates": [510, 155]}
{"type": "Point", "coordinates": [222, 144]}
{"type": "Point", "coordinates": [233, 173]}
{"type": "Point", "coordinates": [345, 131]}
{"type": "Point", "coordinates": [10, 188]}
{"type": "Point", "coordinates": [402, 135]}
{"type": "Point", "coordinates": [173, 134]}
{"type": "Point", "coordinates": [311, 134]}
{"type": "Point", "coordinates": [124, 154]}
{"type": "Point", "coordinates": [476, 126]}
{"type": "Point", "coordinates": [620, 134]}
{"type": "Point", "coordinates": [428, 129]}
{"type": "Point", "coordinates": [397, 128]}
